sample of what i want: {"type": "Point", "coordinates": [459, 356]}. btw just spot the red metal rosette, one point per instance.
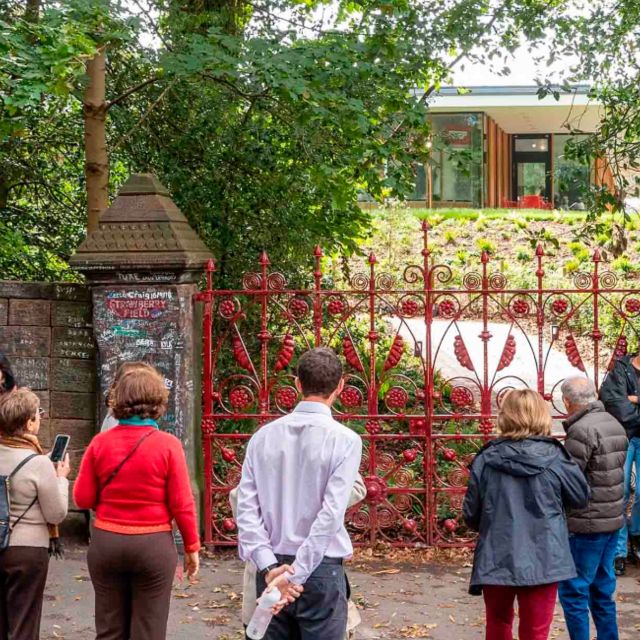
{"type": "Point", "coordinates": [461, 397]}
{"type": "Point", "coordinates": [240, 398]}
{"type": "Point", "coordinates": [397, 398]}
{"type": "Point", "coordinates": [351, 397]}
{"type": "Point", "coordinates": [559, 306]}
{"type": "Point", "coordinates": [286, 398]}
{"type": "Point", "coordinates": [336, 306]}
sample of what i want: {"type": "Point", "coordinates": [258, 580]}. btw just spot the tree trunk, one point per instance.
{"type": "Point", "coordinates": [32, 11]}
{"type": "Point", "coordinates": [96, 169]}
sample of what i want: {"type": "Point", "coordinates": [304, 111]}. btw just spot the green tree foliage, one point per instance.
{"type": "Point", "coordinates": [604, 41]}
{"type": "Point", "coordinates": [265, 118]}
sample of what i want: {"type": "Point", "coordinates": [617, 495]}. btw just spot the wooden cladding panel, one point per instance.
{"type": "Point", "coordinates": [498, 164]}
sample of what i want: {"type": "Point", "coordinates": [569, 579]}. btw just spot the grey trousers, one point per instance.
{"type": "Point", "coordinates": [320, 613]}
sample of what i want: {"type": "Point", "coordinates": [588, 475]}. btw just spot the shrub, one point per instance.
{"type": "Point", "coordinates": [523, 254]}
{"type": "Point", "coordinates": [462, 257]}
{"type": "Point", "coordinates": [571, 266]}
{"type": "Point", "coordinates": [450, 237]}
{"type": "Point", "coordinates": [520, 223]}
{"type": "Point", "coordinates": [481, 224]}
{"type": "Point", "coordinates": [486, 245]}
{"type": "Point", "coordinates": [580, 251]}
{"type": "Point", "coordinates": [624, 265]}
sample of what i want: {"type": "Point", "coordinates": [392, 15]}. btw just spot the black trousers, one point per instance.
{"type": "Point", "coordinates": [23, 576]}
{"type": "Point", "coordinates": [320, 613]}
{"type": "Point", "coordinates": [132, 577]}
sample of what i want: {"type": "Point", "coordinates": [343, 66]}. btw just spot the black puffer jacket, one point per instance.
{"type": "Point", "coordinates": [516, 499]}
{"type": "Point", "coordinates": [598, 443]}
{"type": "Point", "coordinates": [621, 383]}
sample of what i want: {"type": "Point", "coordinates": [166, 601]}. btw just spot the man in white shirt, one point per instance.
{"type": "Point", "coordinates": [297, 478]}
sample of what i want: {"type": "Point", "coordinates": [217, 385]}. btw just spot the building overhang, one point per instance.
{"type": "Point", "coordinates": [519, 110]}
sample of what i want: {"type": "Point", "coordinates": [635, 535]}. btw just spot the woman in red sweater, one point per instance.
{"type": "Point", "coordinates": [136, 479]}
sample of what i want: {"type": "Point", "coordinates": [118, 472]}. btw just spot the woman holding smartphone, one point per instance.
{"type": "Point", "coordinates": [39, 496]}
{"type": "Point", "coordinates": [136, 479]}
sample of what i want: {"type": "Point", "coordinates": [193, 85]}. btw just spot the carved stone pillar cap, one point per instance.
{"type": "Point", "coordinates": [142, 237]}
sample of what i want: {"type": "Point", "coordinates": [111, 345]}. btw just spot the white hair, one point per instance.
{"type": "Point", "coordinates": [579, 391]}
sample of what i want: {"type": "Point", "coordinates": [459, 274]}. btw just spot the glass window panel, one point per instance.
{"type": "Point", "coordinates": [532, 145]}
{"type": "Point", "coordinates": [457, 158]}
{"type": "Point", "coordinates": [531, 178]}
{"type": "Point", "coordinates": [420, 190]}
{"type": "Point", "coordinates": [570, 177]}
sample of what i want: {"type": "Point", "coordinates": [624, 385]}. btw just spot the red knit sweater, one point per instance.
{"type": "Point", "coordinates": [150, 490]}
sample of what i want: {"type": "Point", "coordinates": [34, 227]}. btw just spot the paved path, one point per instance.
{"type": "Point", "coordinates": [397, 600]}
{"type": "Point", "coordinates": [522, 370]}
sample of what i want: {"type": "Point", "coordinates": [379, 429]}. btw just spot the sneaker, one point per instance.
{"type": "Point", "coordinates": [620, 566]}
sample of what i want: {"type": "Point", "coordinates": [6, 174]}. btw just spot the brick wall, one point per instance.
{"type": "Point", "coordinates": [45, 331]}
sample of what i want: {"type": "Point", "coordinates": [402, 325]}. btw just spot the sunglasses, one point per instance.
{"type": "Point", "coordinates": [41, 412]}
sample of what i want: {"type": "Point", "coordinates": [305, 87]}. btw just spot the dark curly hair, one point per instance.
{"type": "Point", "coordinates": [140, 392]}
{"type": "Point", "coordinates": [8, 379]}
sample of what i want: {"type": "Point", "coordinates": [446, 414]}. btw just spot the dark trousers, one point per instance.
{"type": "Point", "coordinates": [535, 609]}
{"type": "Point", "coordinates": [593, 588]}
{"type": "Point", "coordinates": [132, 577]}
{"type": "Point", "coordinates": [320, 613]}
{"type": "Point", "coordinates": [23, 575]}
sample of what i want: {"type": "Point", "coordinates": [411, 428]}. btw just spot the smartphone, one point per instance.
{"type": "Point", "coordinates": [60, 446]}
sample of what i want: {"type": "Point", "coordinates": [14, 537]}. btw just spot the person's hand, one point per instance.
{"type": "Point", "coordinates": [279, 578]}
{"type": "Point", "coordinates": [63, 468]}
{"type": "Point", "coordinates": [633, 399]}
{"type": "Point", "coordinates": [192, 564]}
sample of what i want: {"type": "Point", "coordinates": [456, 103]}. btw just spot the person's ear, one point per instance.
{"type": "Point", "coordinates": [566, 404]}
{"type": "Point", "coordinates": [340, 387]}
{"type": "Point", "coordinates": [296, 382]}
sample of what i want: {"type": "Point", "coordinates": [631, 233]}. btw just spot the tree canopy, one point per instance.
{"type": "Point", "coordinates": [265, 118]}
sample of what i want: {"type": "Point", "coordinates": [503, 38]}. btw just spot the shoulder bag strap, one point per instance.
{"type": "Point", "coordinates": [13, 473]}
{"type": "Point", "coordinates": [21, 464]}
{"type": "Point", "coordinates": [115, 472]}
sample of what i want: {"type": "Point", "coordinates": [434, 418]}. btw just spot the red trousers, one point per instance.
{"type": "Point", "coordinates": [535, 609]}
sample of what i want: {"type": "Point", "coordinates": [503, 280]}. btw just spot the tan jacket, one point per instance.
{"type": "Point", "coordinates": [37, 478]}
{"type": "Point", "coordinates": [249, 595]}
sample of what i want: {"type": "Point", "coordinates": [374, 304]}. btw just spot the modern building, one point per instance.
{"type": "Point", "coordinates": [505, 147]}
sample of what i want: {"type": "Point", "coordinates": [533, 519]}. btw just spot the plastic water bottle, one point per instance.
{"type": "Point", "coordinates": [262, 615]}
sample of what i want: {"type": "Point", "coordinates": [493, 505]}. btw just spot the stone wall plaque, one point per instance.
{"type": "Point", "coordinates": [70, 314]}
{"type": "Point", "coordinates": [81, 432]}
{"type": "Point", "coordinates": [81, 406]}
{"type": "Point", "coordinates": [25, 341]}
{"type": "Point", "coordinates": [149, 323]}
{"type": "Point", "coordinates": [4, 309]}
{"type": "Point", "coordinates": [30, 312]}
{"type": "Point", "coordinates": [70, 342]}
{"type": "Point", "coordinates": [73, 375]}
{"type": "Point", "coordinates": [32, 372]}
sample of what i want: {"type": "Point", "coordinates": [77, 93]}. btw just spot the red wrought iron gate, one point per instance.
{"type": "Point", "coordinates": [427, 361]}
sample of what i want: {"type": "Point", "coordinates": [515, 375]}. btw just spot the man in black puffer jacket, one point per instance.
{"type": "Point", "coordinates": [598, 443]}
{"type": "Point", "coordinates": [620, 392]}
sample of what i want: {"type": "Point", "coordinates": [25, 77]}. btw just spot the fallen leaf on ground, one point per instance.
{"type": "Point", "coordinates": [385, 571]}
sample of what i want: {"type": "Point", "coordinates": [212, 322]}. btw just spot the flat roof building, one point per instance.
{"type": "Point", "coordinates": [503, 146]}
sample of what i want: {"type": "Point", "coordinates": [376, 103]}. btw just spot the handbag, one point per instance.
{"type": "Point", "coordinates": [5, 505]}
{"type": "Point", "coordinates": [115, 472]}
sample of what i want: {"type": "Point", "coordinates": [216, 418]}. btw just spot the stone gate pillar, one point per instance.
{"type": "Point", "coordinates": [143, 263]}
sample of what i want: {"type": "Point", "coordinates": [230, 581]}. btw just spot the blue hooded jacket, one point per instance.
{"type": "Point", "coordinates": [516, 499]}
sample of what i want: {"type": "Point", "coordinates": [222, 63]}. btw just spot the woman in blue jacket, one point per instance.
{"type": "Point", "coordinates": [519, 487]}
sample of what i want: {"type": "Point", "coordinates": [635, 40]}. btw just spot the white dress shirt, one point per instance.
{"type": "Point", "coordinates": [297, 477]}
